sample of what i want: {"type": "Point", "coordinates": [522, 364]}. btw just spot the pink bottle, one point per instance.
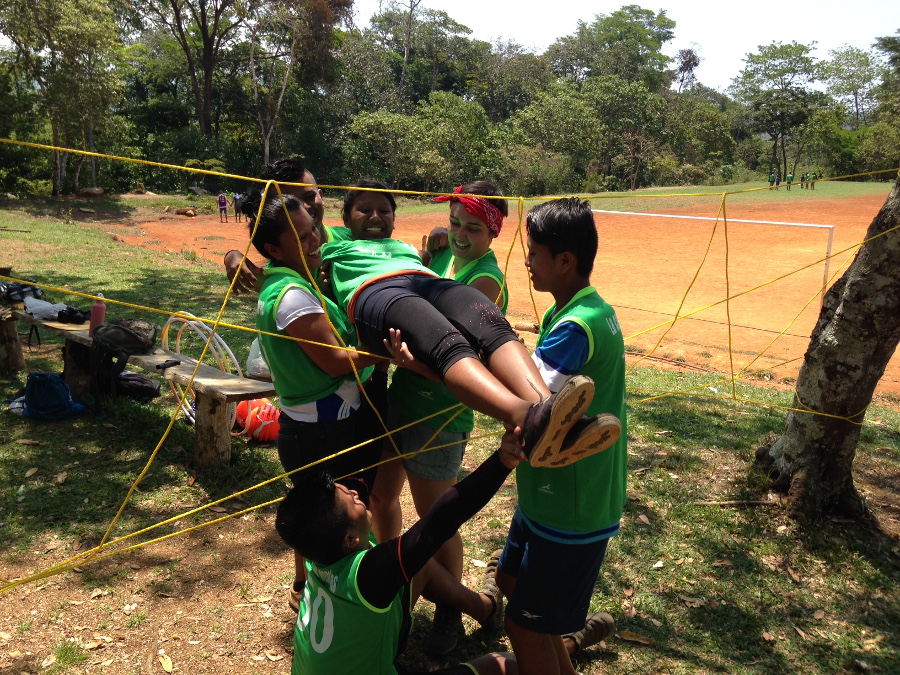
{"type": "Point", "coordinates": [98, 314]}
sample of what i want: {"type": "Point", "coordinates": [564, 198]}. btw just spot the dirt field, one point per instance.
{"type": "Point", "coordinates": [645, 267]}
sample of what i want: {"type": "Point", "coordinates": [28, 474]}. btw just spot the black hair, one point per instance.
{"type": "Point", "coordinates": [309, 521]}
{"type": "Point", "coordinates": [488, 189]}
{"type": "Point", "coordinates": [285, 170]}
{"type": "Point", "coordinates": [352, 195]}
{"type": "Point", "coordinates": [272, 220]}
{"type": "Point", "coordinates": [565, 225]}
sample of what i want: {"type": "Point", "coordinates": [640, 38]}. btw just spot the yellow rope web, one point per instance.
{"type": "Point", "coordinates": [114, 546]}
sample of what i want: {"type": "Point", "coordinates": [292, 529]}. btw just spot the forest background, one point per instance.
{"type": "Point", "coordinates": [413, 101]}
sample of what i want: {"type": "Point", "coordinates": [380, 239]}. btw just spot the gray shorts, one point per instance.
{"type": "Point", "coordinates": [440, 464]}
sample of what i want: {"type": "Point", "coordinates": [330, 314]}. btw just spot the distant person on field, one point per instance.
{"type": "Point", "coordinates": [558, 536]}
{"type": "Point", "coordinates": [771, 179]}
{"type": "Point", "coordinates": [238, 199]}
{"type": "Point", "coordinates": [777, 180]}
{"type": "Point", "coordinates": [812, 180]}
{"type": "Point", "coordinates": [223, 202]}
{"type": "Point", "coordinates": [790, 179]}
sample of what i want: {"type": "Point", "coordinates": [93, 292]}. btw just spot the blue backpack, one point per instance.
{"type": "Point", "coordinates": [47, 397]}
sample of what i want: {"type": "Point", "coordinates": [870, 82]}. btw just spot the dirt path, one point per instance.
{"type": "Point", "coordinates": [645, 268]}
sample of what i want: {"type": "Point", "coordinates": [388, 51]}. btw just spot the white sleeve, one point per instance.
{"type": "Point", "coordinates": [296, 302]}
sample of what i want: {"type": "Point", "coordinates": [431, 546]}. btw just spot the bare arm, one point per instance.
{"type": "Point", "coordinates": [248, 274]}
{"type": "Point", "coordinates": [489, 287]}
{"type": "Point", "coordinates": [315, 328]}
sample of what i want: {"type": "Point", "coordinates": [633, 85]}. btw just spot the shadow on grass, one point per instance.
{"type": "Point", "coordinates": [105, 209]}
{"type": "Point", "coordinates": [753, 570]}
{"type": "Point", "coordinates": [85, 467]}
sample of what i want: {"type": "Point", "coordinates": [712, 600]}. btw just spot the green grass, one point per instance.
{"type": "Point", "coordinates": [656, 199]}
{"type": "Point", "coordinates": [650, 200]}
{"type": "Point", "coordinates": [135, 620]}
{"type": "Point", "coordinates": [68, 654]}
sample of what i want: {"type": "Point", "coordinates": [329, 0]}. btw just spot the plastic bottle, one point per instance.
{"type": "Point", "coordinates": [98, 313]}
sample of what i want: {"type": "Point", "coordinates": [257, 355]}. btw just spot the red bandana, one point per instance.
{"type": "Point", "coordinates": [485, 209]}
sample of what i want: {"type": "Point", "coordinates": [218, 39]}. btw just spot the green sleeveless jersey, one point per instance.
{"type": "Point", "coordinates": [357, 262]}
{"type": "Point", "coordinates": [296, 378]}
{"type": "Point", "coordinates": [485, 266]}
{"type": "Point", "coordinates": [338, 632]}
{"type": "Point", "coordinates": [587, 496]}
{"type": "Point", "coordinates": [417, 396]}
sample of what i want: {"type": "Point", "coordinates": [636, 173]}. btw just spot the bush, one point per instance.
{"type": "Point", "coordinates": [691, 175]}
{"type": "Point", "coordinates": [664, 171]}
{"type": "Point", "coordinates": [535, 171]}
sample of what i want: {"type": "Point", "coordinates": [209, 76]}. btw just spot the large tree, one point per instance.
{"type": "Point", "coordinates": [429, 49]}
{"type": "Point", "coordinates": [856, 335]}
{"type": "Point", "coordinates": [506, 78]}
{"type": "Point", "coordinates": [775, 86]}
{"type": "Point", "coordinates": [852, 76]}
{"type": "Point", "coordinates": [889, 91]}
{"type": "Point", "coordinates": [626, 43]}
{"type": "Point", "coordinates": [203, 30]}
{"type": "Point", "coordinates": [65, 47]}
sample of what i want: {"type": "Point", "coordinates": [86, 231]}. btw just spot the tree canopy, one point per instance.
{"type": "Point", "coordinates": [413, 99]}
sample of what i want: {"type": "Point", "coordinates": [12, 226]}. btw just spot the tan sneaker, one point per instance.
{"type": "Point", "coordinates": [548, 421]}
{"type": "Point", "coordinates": [588, 436]}
{"type": "Point", "coordinates": [598, 627]}
{"type": "Point", "coordinates": [490, 588]}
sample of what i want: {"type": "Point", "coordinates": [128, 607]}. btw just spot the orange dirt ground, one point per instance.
{"type": "Point", "coordinates": [645, 267]}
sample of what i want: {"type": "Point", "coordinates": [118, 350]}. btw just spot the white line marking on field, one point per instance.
{"type": "Point", "coordinates": [730, 220]}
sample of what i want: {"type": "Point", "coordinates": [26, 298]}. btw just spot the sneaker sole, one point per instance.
{"type": "Point", "coordinates": [495, 621]}
{"type": "Point", "coordinates": [571, 403]}
{"type": "Point", "coordinates": [598, 627]}
{"type": "Point", "coordinates": [599, 435]}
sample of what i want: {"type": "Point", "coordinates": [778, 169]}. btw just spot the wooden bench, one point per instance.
{"type": "Point", "coordinates": [213, 389]}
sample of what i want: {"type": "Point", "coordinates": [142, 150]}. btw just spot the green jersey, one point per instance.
{"type": "Point", "coordinates": [337, 631]}
{"type": "Point", "coordinates": [339, 233]}
{"type": "Point", "coordinates": [485, 266]}
{"type": "Point", "coordinates": [296, 377]}
{"type": "Point", "coordinates": [587, 496]}
{"type": "Point", "coordinates": [417, 396]}
{"type": "Point", "coordinates": [355, 263]}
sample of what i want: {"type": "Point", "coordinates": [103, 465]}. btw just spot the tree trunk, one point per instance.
{"type": "Point", "coordinates": [856, 335]}
{"type": "Point", "coordinates": [57, 161]}
{"type": "Point", "coordinates": [407, 46]}
{"type": "Point", "coordinates": [93, 159]}
{"type": "Point", "coordinates": [76, 187]}
{"type": "Point", "coordinates": [268, 122]}
{"type": "Point", "coordinates": [210, 61]}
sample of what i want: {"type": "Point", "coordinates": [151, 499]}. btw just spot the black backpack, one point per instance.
{"type": "Point", "coordinates": [114, 342]}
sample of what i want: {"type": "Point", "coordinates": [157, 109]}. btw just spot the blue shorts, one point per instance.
{"type": "Point", "coordinates": [554, 581]}
{"type": "Point", "coordinates": [440, 464]}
